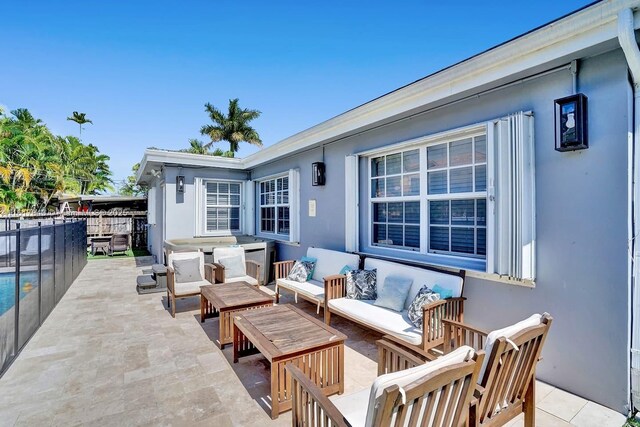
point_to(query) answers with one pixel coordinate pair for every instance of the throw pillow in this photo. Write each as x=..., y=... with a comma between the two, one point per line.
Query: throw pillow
x=361, y=284
x=444, y=293
x=345, y=269
x=414, y=312
x=314, y=261
x=300, y=271
x=394, y=292
x=233, y=267
x=187, y=270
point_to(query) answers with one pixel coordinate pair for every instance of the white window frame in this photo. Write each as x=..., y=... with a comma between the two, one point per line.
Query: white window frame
x=201, y=210
x=274, y=235
x=445, y=259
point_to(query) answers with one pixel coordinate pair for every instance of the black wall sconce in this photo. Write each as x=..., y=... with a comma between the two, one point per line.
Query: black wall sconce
x=571, y=123
x=180, y=184
x=318, y=173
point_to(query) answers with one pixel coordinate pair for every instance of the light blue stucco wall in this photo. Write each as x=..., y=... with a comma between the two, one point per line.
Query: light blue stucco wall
x=581, y=224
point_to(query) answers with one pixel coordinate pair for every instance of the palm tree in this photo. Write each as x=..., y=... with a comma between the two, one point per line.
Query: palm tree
x=233, y=127
x=197, y=147
x=80, y=119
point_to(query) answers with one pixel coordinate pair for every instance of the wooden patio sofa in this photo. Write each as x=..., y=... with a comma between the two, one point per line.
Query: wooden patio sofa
x=435, y=393
x=176, y=290
x=396, y=324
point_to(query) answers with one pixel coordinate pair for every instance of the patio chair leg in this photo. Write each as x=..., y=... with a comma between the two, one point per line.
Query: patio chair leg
x=173, y=306
x=530, y=404
x=168, y=300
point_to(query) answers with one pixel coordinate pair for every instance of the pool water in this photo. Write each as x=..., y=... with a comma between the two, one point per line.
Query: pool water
x=28, y=283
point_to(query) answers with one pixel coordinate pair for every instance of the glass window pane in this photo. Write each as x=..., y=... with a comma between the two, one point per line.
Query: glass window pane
x=437, y=156
x=223, y=199
x=481, y=149
x=395, y=212
x=212, y=199
x=439, y=238
x=394, y=187
x=212, y=187
x=481, y=239
x=234, y=188
x=411, y=185
x=460, y=152
x=437, y=182
x=235, y=200
x=379, y=212
x=462, y=240
x=234, y=224
x=462, y=212
x=412, y=212
x=412, y=236
x=379, y=233
x=481, y=178
x=223, y=223
x=285, y=197
x=263, y=200
x=377, y=166
x=393, y=164
x=411, y=161
x=377, y=187
x=262, y=187
x=439, y=212
x=235, y=213
x=461, y=180
x=223, y=187
x=481, y=216
x=271, y=198
x=395, y=235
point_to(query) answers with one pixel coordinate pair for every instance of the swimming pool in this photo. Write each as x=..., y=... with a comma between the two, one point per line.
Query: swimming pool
x=8, y=288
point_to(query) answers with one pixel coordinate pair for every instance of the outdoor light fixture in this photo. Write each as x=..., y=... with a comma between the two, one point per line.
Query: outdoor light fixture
x=180, y=184
x=571, y=123
x=317, y=171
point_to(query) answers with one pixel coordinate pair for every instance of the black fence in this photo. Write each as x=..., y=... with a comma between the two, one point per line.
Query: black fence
x=37, y=266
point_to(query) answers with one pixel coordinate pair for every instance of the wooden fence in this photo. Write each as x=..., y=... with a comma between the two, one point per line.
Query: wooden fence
x=98, y=223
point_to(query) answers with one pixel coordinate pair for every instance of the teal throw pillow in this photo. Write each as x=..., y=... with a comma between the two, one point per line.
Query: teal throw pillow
x=345, y=269
x=444, y=293
x=394, y=293
x=312, y=260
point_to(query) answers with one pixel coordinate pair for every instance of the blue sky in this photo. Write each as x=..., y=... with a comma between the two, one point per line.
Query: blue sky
x=143, y=70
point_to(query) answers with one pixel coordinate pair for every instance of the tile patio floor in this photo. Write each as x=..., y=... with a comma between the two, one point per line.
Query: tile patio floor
x=107, y=356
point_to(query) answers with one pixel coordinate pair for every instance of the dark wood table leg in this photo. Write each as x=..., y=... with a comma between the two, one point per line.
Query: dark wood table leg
x=203, y=303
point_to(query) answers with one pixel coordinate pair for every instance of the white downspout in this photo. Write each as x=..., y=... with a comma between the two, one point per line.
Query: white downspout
x=627, y=39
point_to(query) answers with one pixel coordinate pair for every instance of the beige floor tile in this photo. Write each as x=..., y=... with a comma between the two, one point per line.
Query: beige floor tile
x=562, y=404
x=594, y=415
x=542, y=390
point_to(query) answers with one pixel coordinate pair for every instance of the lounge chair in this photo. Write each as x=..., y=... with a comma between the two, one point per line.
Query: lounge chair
x=436, y=393
x=507, y=379
x=183, y=289
x=245, y=270
x=119, y=243
x=32, y=245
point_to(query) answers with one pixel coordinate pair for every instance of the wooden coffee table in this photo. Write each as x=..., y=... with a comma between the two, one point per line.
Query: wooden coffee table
x=284, y=334
x=227, y=299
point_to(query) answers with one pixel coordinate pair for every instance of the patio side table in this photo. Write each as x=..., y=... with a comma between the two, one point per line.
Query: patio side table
x=100, y=244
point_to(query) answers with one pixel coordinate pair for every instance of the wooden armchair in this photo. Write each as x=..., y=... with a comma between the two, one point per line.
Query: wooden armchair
x=119, y=243
x=250, y=273
x=436, y=393
x=507, y=378
x=176, y=289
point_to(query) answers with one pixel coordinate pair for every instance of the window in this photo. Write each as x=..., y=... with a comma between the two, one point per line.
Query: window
x=222, y=206
x=275, y=215
x=439, y=190
x=456, y=196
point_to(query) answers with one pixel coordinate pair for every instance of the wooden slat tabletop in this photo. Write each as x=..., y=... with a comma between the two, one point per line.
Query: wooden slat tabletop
x=284, y=330
x=235, y=294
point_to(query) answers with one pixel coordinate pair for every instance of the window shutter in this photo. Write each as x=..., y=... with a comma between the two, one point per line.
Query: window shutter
x=351, y=204
x=512, y=196
x=249, y=207
x=151, y=205
x=294, y=205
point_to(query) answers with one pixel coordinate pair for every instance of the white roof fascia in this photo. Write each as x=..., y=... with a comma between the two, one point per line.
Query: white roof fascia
x=581, y=30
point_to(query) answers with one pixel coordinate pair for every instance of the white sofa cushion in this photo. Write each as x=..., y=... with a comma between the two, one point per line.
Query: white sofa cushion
x=420, y=277
x=187, y=255
x=312, y=289
x=508, y=332
x=331, y=262
x=353, y=406
x=187, y=288
x=405, y=377
x=250, y=280
x=387, y=321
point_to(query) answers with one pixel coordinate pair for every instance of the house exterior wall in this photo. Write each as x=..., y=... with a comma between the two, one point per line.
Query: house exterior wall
x=581, y=224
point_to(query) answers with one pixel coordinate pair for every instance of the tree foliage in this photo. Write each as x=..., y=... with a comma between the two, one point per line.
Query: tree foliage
x=80, y=119
x=199, y=147
x=232, y=127
x=130, y=188
x=36, y=164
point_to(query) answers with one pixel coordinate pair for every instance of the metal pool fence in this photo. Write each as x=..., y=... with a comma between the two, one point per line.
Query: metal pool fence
x=37, y=266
